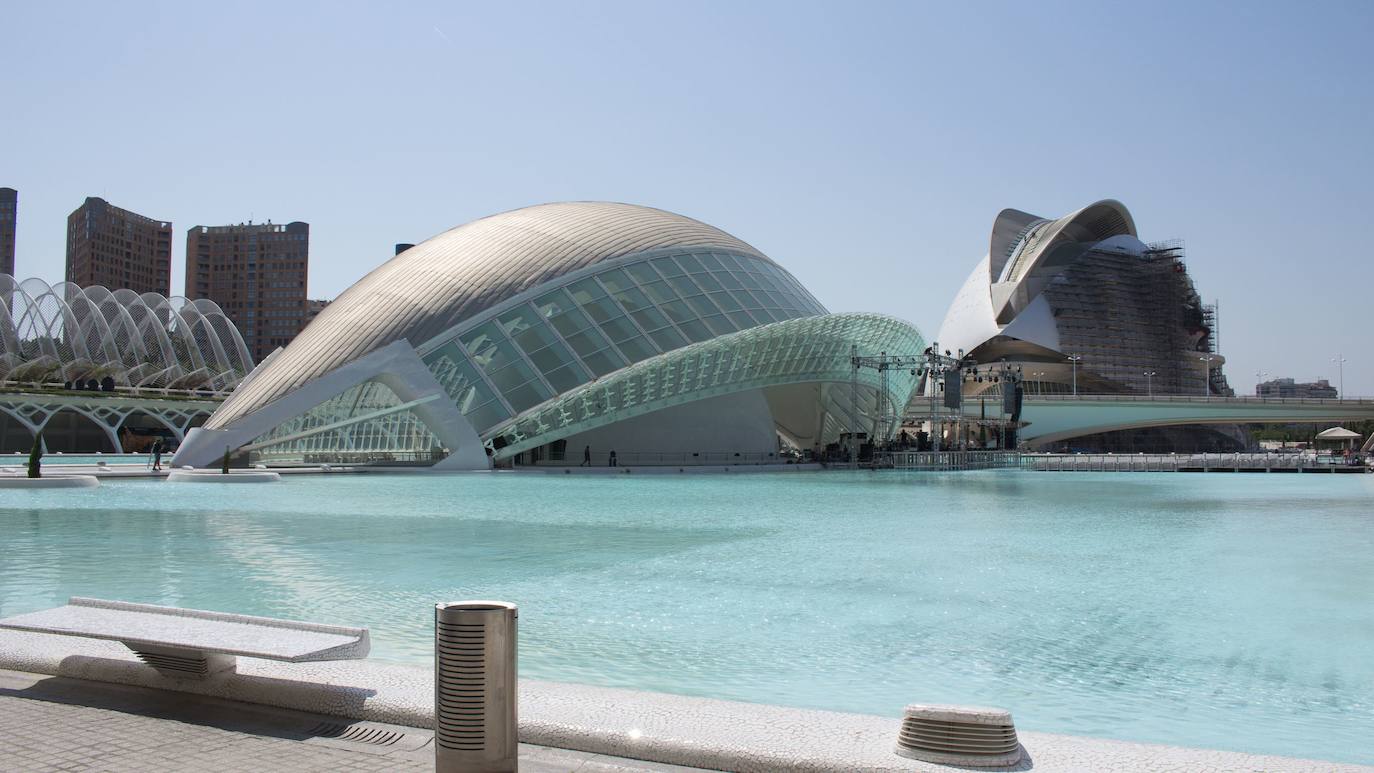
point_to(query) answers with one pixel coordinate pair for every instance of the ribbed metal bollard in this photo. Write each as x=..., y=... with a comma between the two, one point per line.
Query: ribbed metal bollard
x=475, y=694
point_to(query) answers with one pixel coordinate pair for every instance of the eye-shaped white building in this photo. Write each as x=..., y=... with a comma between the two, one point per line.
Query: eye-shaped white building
x=538, y=335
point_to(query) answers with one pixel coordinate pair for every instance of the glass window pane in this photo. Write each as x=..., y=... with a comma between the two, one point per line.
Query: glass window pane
x=587, y=342
x=742, y=319
x=660, y=292
x=551, y=357
x=642, y=272
x=485, y=416
x=632, y=299
x=746, y=299
x=728, y=280
x=614, y=280
x=711, y=262
x=603, y=362
x=667, y=339
x=678, y=311
x=684, y=286
x=764, y=315
x=725, y=301
x=527, y=395
x=695, y=330
x=667, y=266
x=650, y=319
x=735, y=261
x=553, y=303
x=719, y=324
x=566, y=378
x=690, y=264
x=585, y=291
x=637, y=349
x=707, y=282
x=750, y=280
x=619, y=329
x=570, y=322
x=511, y=376
x=702, y=306
x=602, y=309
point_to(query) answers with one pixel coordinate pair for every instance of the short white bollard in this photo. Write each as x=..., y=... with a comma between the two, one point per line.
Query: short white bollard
x=475, y=693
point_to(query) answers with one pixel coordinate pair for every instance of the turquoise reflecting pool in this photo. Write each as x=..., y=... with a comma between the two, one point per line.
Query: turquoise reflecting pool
x=1224, y=611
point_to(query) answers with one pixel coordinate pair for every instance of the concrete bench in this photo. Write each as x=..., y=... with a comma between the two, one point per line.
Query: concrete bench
x=193, y=643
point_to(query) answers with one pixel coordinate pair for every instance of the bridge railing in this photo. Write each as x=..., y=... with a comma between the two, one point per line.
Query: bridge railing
x=1246, y=399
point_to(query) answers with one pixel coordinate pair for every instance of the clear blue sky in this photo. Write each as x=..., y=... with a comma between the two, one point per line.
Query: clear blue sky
x=865, y=146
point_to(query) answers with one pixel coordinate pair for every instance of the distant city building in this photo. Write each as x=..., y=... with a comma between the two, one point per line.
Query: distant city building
x=9, y=213
x=257, y=273
x=1287, y=387
x=115, y=248
x=313, y=309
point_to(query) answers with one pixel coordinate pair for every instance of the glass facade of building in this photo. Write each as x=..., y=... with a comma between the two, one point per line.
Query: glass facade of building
x=590, y=326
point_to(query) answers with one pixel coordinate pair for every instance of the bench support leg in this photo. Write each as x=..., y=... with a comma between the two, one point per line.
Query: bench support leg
x=180, y=663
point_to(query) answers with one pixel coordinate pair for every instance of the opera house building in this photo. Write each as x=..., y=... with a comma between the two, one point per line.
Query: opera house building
x=554, y=333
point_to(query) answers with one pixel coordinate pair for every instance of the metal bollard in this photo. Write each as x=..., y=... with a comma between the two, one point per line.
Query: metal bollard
x=475, y=728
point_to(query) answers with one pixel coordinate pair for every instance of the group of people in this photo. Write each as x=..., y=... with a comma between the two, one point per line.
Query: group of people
x=587, y=458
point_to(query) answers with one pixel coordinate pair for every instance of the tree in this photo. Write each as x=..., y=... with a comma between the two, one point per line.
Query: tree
x=35, y=455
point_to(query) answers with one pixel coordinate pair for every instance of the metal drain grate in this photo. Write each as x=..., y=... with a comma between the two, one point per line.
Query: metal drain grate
x=958, y=735
x=373, y=736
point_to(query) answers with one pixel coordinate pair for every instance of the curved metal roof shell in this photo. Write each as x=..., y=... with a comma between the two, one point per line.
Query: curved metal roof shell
x=460, y=273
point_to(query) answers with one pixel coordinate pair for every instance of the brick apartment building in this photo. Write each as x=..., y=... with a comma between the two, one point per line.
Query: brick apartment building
x=116, y=248
x=257, y=273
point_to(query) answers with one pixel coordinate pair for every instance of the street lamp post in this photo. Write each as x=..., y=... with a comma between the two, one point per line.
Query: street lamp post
x=1340, y=365
x=1259, y=381
x=1039, y=376
x=1150, y=383
x=1074, y=358
x=1206, y=361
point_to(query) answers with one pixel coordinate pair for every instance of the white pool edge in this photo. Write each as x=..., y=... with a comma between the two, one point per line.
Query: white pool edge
x=657, y=727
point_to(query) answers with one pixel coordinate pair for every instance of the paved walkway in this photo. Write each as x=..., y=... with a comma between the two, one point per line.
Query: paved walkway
x=57, y=724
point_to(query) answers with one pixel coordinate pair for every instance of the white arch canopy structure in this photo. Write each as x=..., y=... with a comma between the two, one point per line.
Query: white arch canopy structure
x=66, y=333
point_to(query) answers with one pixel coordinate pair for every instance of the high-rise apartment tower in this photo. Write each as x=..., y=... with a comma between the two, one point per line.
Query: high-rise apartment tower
x=9, y=212
x=257, y=273
x=116, y=248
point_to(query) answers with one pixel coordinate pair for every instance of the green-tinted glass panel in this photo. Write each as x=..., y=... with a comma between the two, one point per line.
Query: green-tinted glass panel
x=642, y=272
x=746, y=300
x=553, y=304
x=702, y=306
x=566, y=378
x=484, y=416
x=585, y=291
x=684, y=286
x=667, y=339
x=707, y=282
x=719, y=324
x=711, y=262
x=551, y=357
x=637, y=349
x=660, y=292
x=604, y=362
x=632, y=299
x=619, y=329
x=602, y=309
x=750, y=281
x=615, y=280
x=667, y=266
x=695, y=330
x=527, y=395
x=728, y=280
x=690, y=264
x=511, y=376
x=678, y=311
x=650, y=318
x=587, y=341
x=725, y=301
x=570, y=322
x=741, y=319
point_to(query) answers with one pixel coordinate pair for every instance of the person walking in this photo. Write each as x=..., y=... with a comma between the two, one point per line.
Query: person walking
x=613, y=460
x=157, y=455
x=587, y=456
